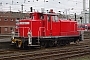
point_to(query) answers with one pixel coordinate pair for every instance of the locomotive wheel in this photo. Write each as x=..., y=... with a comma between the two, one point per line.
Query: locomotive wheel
x=61, y=43
x=68, y=43
x=58, y=43
x=43, y=44
x=51, y=44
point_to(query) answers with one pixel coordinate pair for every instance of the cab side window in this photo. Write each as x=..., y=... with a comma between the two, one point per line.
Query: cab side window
x=41, y=17
x=31, y=17
x=48, y=18
x=55, y=18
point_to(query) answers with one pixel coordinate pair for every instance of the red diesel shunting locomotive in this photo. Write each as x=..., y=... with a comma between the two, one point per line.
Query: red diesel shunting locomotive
x=45, y=30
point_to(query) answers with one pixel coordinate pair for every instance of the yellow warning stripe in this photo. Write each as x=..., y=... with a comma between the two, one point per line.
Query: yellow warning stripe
x=19, y=41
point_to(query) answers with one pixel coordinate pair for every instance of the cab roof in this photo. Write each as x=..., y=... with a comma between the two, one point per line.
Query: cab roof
x=52, y=14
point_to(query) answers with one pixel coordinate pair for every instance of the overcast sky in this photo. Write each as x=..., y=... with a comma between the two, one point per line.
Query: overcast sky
x=72, y=6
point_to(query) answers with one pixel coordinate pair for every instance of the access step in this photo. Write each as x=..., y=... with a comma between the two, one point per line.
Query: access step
x=34, y=45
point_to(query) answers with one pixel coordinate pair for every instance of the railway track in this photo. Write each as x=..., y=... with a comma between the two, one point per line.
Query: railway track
x=53, y=54
x=8, y=51
x=46, y=54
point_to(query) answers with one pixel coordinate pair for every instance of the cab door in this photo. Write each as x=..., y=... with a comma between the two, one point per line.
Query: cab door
x=49, y=25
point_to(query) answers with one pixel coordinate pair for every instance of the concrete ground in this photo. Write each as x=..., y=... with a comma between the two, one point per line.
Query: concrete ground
x=5, y=39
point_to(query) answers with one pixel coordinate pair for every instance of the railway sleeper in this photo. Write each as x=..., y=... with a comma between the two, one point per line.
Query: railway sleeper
x=53, y=55
x=73, y=55
x=60, y=54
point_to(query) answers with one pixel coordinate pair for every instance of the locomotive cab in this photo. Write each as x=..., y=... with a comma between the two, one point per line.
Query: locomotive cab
x=28, y=29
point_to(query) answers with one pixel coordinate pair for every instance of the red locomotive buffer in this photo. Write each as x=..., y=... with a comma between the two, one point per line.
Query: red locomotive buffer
x=45, y=30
